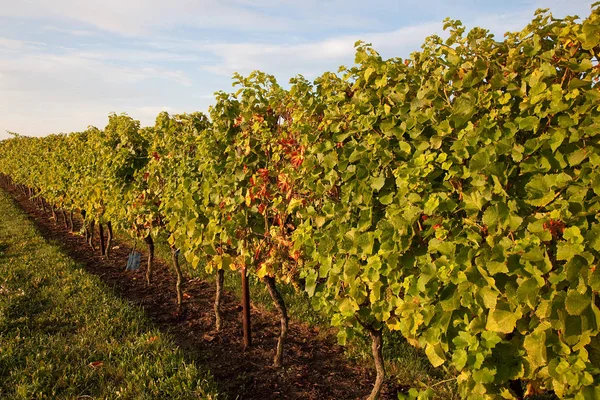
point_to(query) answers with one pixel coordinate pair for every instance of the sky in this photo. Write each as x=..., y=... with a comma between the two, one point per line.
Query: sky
x=66, y=64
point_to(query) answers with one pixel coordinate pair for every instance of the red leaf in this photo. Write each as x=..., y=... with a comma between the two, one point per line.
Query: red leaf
x=96, y=364
x=264, y=173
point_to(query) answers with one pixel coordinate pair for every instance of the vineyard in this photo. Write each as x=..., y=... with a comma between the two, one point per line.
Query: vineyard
x=453, y=197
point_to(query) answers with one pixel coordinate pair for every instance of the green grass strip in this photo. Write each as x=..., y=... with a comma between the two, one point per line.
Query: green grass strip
x=63, y=334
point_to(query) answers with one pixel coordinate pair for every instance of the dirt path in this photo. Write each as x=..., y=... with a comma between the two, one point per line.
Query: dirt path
x=315, y=368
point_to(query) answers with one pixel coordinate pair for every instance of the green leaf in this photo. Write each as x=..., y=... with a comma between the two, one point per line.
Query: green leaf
x=365, y=220
x=529, y=123
x=566, y=251
x=464, y=108
x=573, y=235
x=435, y=354
x=491, y=339
x=502, y=319
x=431, y=205
x=378, y=182
x=444, y=128
x=591, y=31
x=365, y=243
x=368, y=72
x=386, y=199
x=595, y=280
x=320, y=221
x=535, y=345
x=527, y=292
x=495, y=267
x=593, y=237
x=491, y=217
x=575, y=158
x=540, y=189
x=348, y=307
x=489, y=297
x=311, y=284
x=484, y=375
x=330, y=160
x=459, y=359
x=351, y=269
x=576, y=303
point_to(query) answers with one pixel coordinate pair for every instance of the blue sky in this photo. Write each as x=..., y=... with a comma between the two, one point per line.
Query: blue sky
x=65, y=64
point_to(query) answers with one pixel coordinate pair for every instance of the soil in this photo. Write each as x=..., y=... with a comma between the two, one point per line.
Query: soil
x=314, y=365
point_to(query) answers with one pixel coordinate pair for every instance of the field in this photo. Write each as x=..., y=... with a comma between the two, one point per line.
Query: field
x=411, y=228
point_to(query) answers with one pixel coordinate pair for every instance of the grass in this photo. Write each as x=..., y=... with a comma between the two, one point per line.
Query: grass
x=63, y=334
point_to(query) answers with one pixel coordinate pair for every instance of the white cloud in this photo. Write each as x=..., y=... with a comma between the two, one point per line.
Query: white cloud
x=136, y=56
x=139, y=17
x=43, y=93
x=312, y=58
x=73, y=32
x=59, y=73
x=13, y=44
x=143, y=17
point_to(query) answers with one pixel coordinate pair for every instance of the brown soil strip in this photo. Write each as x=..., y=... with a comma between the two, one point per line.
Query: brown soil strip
x=314, y=368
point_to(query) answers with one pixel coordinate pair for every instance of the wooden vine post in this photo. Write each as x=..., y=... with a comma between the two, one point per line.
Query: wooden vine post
x=101, y=233
x=108, y=239
x=149, y=270
x=246, y=309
